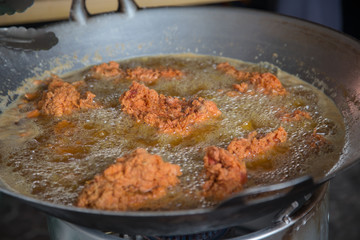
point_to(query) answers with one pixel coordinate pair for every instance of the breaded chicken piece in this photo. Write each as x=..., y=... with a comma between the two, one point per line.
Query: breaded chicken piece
x=126, y=185
x=266, y=83
x=62, y=98
x=168, y=114
x=251, y=146
x=225, y=173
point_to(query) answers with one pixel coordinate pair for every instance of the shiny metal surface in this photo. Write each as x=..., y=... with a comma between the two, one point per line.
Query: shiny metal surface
x=310, y=222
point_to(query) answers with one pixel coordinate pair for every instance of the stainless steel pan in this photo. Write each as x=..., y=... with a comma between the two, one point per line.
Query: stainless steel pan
x=321, y=56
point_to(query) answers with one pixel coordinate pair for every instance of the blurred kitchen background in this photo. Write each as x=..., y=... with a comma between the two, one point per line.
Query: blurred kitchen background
x=19, y=221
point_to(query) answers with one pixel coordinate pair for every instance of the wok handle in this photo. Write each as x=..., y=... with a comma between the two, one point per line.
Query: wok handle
x=79, y=13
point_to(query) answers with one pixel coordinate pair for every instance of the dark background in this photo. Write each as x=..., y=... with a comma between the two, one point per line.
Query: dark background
x=20, y=221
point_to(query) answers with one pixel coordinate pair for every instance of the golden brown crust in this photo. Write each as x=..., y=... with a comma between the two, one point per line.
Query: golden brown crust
x=146, y=75
x=110, y=69
x=225, y=173
x=297, y=115
x=171, y=73
x=266, y=83
x=242, y=87
x=251, y=146
x=62, y=98
x=232, y=71
x=143, y=74
x=126, y=185
x=168, y=114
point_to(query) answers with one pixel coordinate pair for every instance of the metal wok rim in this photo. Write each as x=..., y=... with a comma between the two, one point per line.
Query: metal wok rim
x=32, y=200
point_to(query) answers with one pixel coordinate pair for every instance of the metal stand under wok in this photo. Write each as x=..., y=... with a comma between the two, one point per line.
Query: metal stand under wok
x=310, y=221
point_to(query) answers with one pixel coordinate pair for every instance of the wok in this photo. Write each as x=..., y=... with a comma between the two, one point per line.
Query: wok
x=326, y=58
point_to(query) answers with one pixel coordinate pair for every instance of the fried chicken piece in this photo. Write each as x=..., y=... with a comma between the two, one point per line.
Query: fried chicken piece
x=225, y=173
x=171, y=73
x=168, y=114
x=242, y=87
x=232, y=71
x=111, y=69
x=62, y=98
x=126, y=185
x=266, y=83
x=142, y=74
x=251, y=146
x=148, y=75
x=297, y=115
